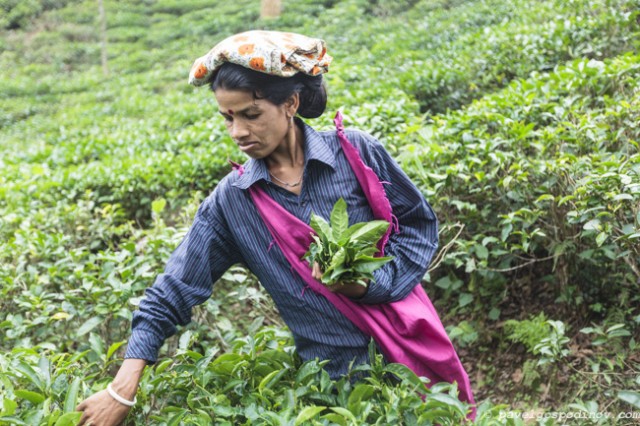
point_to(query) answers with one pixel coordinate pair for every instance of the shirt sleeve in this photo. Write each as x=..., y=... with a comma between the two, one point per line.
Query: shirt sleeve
x=204, y=254
x=416, y=241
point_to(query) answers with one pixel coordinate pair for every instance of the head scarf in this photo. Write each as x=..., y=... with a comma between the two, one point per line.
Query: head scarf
x=271, y=52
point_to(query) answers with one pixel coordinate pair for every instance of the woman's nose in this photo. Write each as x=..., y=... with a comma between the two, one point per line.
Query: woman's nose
x=238, y=130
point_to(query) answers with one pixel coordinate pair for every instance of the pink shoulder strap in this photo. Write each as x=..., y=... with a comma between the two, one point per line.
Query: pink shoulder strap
x=369, y=182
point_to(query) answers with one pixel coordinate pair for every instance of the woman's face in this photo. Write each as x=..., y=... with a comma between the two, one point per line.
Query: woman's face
x=256, y=125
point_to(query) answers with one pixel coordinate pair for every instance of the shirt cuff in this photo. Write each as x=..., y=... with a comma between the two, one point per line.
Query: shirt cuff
x=143, y=345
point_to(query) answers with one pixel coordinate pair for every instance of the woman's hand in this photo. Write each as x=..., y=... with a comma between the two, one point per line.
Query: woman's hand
x=349, y=289
x=100, y=409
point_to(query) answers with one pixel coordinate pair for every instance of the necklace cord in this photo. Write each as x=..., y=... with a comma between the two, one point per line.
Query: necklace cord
x=287, y=184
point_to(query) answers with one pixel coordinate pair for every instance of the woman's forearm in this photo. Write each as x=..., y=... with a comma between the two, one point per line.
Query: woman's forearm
x=128, y=377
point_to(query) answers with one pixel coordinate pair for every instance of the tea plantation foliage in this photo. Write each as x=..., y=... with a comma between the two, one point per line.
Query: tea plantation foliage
x=517, y=119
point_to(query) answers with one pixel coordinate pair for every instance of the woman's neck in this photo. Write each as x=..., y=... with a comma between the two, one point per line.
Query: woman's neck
x=290, y=154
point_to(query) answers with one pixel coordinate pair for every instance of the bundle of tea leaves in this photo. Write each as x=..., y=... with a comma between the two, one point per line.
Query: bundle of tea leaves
x=346, y=253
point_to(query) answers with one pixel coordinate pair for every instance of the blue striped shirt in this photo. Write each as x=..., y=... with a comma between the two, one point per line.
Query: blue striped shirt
x=228, y=230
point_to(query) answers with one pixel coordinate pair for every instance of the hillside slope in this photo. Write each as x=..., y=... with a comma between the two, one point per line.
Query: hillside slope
x=517, y=119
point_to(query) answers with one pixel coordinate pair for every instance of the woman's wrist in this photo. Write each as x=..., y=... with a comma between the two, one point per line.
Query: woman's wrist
x=127, y=380
x=124, y=401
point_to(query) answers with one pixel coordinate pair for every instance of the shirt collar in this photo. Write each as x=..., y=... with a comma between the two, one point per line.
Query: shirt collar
x=315, y=148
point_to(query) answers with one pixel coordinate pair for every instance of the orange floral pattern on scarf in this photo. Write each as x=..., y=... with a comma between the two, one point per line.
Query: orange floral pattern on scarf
x=272, y=52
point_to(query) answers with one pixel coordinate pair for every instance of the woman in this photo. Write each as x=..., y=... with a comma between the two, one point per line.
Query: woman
x=257, y=216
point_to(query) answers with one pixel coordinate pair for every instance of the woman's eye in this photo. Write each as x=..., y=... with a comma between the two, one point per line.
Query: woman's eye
x=252, y=116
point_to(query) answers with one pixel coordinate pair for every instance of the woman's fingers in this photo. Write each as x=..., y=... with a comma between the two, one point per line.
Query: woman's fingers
x=349, y=289
x=83, y=419
x=316, y=271
x=101, y=409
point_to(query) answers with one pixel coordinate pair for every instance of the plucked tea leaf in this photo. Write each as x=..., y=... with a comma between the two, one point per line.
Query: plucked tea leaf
x=367, y=264
x=337, y=260
x=339, y=219
x=346, y=235
x=321, y=226
x=371, y=232
x=346, y=254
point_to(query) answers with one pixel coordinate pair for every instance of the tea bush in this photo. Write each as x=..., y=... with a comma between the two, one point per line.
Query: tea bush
x=557, y=158
x=518, y=121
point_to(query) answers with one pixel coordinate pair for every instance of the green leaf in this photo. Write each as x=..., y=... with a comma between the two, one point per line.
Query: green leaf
x=444, y=400
x=464, y=299
x=31, y=374
x=69, y=419
x=615, y=327
x=621, y=197
x=592, y=225
x=344, y=413
x=271, y=379
x=371, y=232
x=185, y=340
x=308, y=413
x=45, y=370
x=114, y=347
x=506, y=231
x=346, y=235
x=88, y=326
x=9, y=407
x=361, y=392
x=321, y=227
x=12, y=421
x=404, y=373
x=338, y=274
x=307, y=369
x=365, y=252
x=163, y=365
x=337, y=260
x=544, y=197
x=158, y=205
x=444, y=283
x=335, y=419
x=33, y=397
x=367, y=264
x=339, y=219
x=481, y=251
x=72, y=396
x=630, y=397
x=175, y=420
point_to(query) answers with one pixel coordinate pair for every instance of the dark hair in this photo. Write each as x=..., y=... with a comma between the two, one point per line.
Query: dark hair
x=275, y=89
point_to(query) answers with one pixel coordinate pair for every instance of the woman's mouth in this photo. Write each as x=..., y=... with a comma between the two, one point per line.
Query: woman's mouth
x=247, y=146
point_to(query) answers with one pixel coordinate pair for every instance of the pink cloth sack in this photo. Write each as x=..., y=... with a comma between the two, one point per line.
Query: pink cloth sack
x=408, y=331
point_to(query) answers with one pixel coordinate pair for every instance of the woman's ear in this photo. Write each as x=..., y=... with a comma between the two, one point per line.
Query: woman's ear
x=292, y=104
